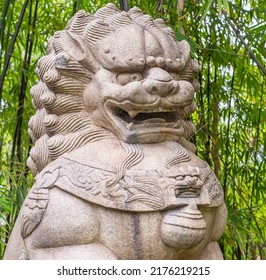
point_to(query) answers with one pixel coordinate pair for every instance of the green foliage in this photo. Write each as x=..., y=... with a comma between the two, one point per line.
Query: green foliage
x=226, y=37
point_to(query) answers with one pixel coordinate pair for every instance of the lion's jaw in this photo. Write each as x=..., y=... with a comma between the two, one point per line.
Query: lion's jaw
x=138, y=107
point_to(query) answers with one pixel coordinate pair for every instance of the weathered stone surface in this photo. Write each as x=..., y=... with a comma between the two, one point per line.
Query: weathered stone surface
x=116, y=176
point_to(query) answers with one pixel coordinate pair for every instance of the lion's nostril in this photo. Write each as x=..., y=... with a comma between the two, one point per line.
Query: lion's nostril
x=152, y=86
x=154, y=89
x=160, y=88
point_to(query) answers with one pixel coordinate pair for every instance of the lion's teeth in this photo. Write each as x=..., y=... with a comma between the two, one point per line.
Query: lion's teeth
x=132, y=114
x=156, y=110
x=130, y=126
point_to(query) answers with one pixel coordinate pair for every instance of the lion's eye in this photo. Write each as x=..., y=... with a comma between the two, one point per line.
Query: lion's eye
x=175, y=76
x=125, y=78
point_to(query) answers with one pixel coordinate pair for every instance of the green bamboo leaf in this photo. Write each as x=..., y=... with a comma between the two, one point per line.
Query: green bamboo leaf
x=260, y=27
x=219, y=6
x=205, y=8
x=226, y=6
x=79, y=4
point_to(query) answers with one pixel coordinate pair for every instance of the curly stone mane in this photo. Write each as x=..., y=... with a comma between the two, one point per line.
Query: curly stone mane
x=61, y=123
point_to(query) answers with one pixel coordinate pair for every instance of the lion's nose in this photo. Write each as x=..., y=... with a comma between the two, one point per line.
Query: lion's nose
x=159, y=74
x=159, y=82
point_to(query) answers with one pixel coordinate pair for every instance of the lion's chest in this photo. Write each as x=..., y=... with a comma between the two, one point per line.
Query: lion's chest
x=71, y=221
x=122, y=204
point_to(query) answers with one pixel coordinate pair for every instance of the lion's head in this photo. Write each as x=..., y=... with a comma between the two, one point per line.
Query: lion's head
x=111, y=73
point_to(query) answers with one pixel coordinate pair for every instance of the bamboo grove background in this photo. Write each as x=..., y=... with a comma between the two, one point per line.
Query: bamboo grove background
x=226, y=37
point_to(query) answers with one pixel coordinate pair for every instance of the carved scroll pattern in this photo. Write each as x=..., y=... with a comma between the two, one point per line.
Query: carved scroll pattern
x=137, y=190
x=180, y=155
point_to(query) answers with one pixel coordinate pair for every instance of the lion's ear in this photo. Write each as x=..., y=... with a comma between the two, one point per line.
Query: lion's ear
x=74, y=47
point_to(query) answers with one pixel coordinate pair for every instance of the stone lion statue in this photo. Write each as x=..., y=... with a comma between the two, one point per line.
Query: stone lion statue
x=116, y=175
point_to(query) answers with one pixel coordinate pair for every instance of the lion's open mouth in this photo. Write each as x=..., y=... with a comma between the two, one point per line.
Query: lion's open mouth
x=144, y=123
x=159, y=117
x=187, y=193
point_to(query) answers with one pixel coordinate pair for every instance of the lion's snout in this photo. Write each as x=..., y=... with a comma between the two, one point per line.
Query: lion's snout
x=160, y=88
x=160, y=82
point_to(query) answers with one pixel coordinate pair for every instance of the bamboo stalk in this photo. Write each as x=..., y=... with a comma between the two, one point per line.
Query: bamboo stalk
x=2, y=28
x=257, y=139
x=124, y=5
x=227, y=143
x=159, y=6
x=17, y=139
x=11, y=47
x=208, y=141
x=214, y=127
x=180, y=7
